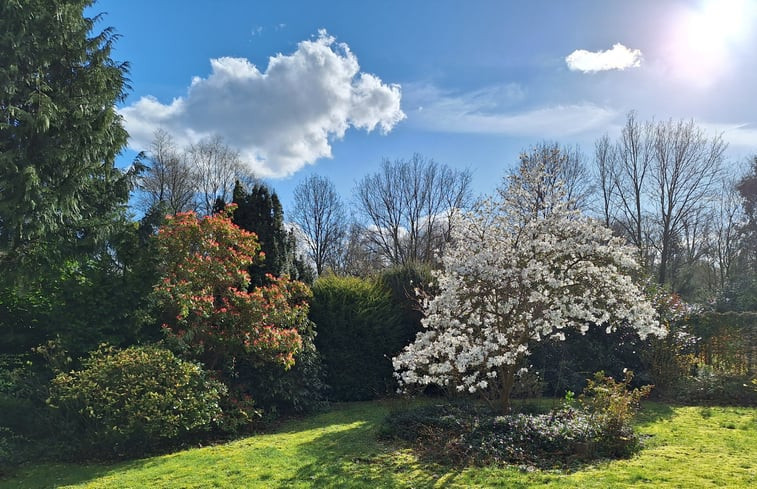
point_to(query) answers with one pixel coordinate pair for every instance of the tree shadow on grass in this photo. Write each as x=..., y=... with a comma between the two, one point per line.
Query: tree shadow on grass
x=34, y=475
x=353, y=458
x=652, y=412
x=337, y=413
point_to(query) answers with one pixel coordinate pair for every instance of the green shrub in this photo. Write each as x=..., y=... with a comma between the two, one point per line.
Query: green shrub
x=670, y=359
x=358, y=334
x=11, y=445
x=136, y=400
x=611, y=404
x=403, y=283
x=711, y=386
x=277, y=390
x=239, y=413
x=23, y=391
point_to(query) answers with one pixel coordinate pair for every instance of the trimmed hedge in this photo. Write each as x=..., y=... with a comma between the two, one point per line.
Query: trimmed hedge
x=358, y=333
x=402, y=283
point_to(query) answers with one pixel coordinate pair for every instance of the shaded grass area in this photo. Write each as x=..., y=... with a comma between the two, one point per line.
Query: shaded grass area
x=687, y=447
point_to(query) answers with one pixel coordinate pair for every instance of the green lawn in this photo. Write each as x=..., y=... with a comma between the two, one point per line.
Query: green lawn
x=689, y=447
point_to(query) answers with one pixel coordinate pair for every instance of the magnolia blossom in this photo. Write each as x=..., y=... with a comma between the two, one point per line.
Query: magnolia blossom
x=521, y=268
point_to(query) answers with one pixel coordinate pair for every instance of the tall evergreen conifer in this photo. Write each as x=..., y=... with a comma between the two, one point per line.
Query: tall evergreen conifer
x=259, y=210
x=59, y=130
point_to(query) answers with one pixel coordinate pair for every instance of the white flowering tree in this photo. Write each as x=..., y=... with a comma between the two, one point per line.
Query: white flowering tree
x=521, y=268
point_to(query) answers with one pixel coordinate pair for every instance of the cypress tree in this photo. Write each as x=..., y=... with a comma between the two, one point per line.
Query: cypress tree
x=260, y=212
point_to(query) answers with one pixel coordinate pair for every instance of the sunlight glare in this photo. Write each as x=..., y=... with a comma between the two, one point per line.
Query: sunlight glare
x=704, y=37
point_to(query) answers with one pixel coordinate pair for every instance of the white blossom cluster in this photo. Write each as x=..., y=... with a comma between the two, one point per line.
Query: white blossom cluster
x=521, y=268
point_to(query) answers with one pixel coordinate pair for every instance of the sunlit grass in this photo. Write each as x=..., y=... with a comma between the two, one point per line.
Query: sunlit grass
x=687, y=447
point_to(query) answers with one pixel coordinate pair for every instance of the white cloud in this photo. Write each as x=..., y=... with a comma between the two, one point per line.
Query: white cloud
x=281, y=119
x=617, y=58
x=739, y=136
x=496, y=110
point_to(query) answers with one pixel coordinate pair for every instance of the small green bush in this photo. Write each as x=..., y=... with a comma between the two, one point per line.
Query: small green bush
x=611, y=406
x=30, y=430
x=136, y=400
x=11, y=444
x=239, y=413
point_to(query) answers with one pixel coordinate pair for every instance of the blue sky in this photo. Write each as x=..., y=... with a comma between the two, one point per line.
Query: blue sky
x=334, y=87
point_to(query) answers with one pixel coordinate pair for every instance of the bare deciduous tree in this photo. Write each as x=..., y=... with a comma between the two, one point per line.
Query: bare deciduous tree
x=605, y=161
x=634, y=158
x=216, y=168
x=407, y=206
x=360, y=257
x=561, y=164
x=168, y=180
x=319, y=213
x=686, y=167
x=727, y=219
x=693, y=246
x=747, y=188
x=663, y=199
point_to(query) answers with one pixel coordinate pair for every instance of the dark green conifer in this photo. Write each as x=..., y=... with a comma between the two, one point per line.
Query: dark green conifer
x=59, y=129
x=259, y=211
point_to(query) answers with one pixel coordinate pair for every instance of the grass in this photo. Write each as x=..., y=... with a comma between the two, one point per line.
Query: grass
x=687, y=447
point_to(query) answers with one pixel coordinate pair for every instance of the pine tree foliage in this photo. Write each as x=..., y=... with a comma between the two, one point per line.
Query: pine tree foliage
x=59, y=130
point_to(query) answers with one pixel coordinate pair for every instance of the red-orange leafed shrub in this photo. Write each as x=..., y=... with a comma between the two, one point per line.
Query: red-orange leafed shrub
x=208, y=312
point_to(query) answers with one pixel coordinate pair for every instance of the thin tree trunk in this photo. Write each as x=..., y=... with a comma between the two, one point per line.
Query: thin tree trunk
x=507, y=376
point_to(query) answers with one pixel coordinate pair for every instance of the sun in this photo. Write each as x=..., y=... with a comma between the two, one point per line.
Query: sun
x=703, y=38
x=715, y=25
